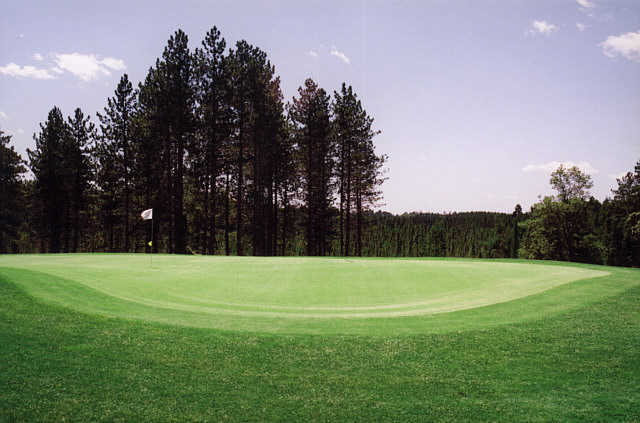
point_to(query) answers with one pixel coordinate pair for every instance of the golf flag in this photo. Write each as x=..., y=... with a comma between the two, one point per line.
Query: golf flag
x=147, y=214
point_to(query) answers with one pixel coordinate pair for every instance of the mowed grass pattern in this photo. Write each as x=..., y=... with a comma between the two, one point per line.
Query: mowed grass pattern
x=577, y=360
x=303, y=295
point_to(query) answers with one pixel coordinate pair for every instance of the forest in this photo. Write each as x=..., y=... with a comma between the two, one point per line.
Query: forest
x=208, y=143
x=570, y=226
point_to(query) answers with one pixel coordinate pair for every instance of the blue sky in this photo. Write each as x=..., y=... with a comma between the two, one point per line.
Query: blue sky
x=477, y=100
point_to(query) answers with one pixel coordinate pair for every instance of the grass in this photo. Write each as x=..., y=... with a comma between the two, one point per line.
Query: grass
x=312, y=295
x=568, y=353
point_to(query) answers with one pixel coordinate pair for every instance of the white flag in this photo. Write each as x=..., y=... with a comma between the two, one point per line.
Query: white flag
x=147, y=214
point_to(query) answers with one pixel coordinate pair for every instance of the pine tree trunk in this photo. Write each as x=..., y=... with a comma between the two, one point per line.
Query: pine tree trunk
x=180, y=227
x=310, y=200
x=359, y=222
x=155, y=226
x=76, y=229
x=239, y=200
x=269, y=220
x=126, y=201
x=211, y=244
x=342, y=207
x=111, y=233
x=148, y=231
x=321, y=209
x=126, y=218
x=203, y=226
x=348, y=206
x=256, y=236
x=67, y=227
x=274, y=247
x=76, y=211
x=227, y=226
x=170, y=195
x=285, y=222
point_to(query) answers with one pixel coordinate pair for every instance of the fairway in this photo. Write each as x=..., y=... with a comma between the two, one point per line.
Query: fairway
x=106, y=337
x=308, y=295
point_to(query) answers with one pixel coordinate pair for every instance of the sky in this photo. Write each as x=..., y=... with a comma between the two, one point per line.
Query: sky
x=478, y=100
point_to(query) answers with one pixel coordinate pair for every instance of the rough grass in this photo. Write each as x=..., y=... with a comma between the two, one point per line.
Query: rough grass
x=579, y=364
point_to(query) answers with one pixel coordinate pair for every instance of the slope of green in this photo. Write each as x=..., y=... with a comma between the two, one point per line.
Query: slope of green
x=579, y=363
x=312, y=295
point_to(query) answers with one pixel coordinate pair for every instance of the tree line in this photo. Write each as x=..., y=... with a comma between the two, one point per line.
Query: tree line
x=569, y=226
x=228, y=167
x=467, y=234
x=574, y=226
x=207, y=141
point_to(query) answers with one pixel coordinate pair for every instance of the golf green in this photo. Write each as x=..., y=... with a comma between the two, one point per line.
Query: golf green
x=311, y=295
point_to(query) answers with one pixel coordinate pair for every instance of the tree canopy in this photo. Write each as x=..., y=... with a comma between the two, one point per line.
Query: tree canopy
x=571, y=183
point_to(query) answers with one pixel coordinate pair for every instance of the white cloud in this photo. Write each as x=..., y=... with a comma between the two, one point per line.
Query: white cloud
x=340, y=55
x=25, y=72
x=84, y=66
x=626, y=45
x=551, y=166
x=115, y=64
x=87, y=66
x=581, y=27
x=542, y=27
x=3, y=115
x=312, y=53
x=587, y=4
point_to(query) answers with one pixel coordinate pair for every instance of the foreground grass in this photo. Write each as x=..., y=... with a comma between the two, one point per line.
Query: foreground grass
x=61, y=365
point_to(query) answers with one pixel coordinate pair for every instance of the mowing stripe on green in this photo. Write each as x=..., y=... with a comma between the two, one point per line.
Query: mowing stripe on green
x=312, y=295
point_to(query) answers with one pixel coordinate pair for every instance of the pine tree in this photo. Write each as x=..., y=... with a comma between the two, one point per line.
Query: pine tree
x=515, y=243
x=275, y=155
x=150, y=173
x=257, y=109
x=367, y=175
x=12, y=205
x=214, y=126
x=359, y=168
x=109, y=183
x=179, y=95
x=315, y=155
x=81, y=135
x=48, y=164
x=240, y=63
x=116, y=129
x=287, y=185
x=344, y=110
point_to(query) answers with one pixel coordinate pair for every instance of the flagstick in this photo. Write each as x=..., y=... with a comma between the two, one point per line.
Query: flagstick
x=151, y=256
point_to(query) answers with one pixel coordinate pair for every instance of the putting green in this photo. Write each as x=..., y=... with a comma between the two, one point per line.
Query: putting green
x=310, y=295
